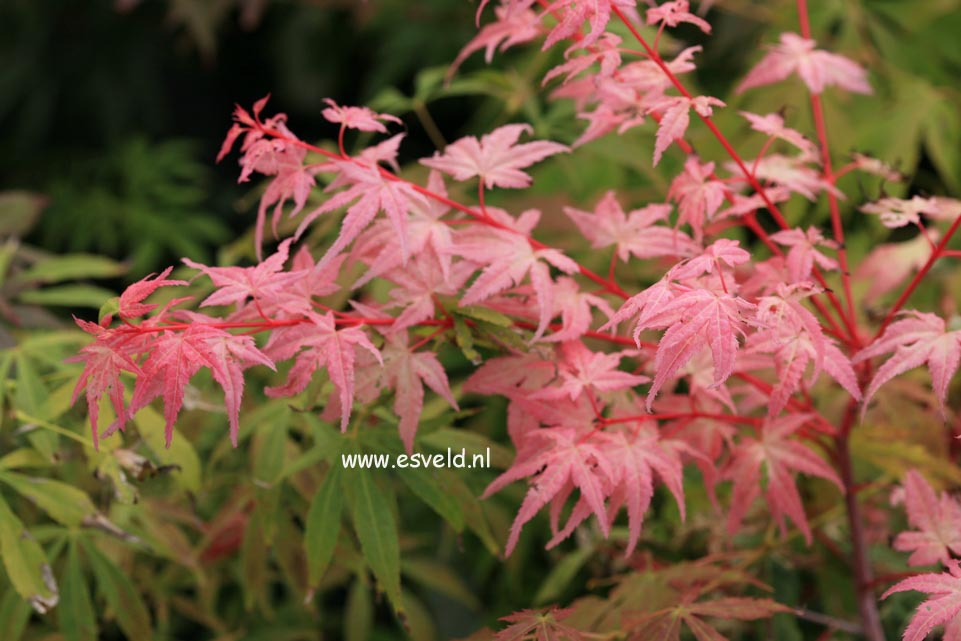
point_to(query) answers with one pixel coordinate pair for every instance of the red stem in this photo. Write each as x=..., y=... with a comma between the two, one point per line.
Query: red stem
x=345, y=319
x=861, y=563
x=672, y=416
x=935, y=255
x=828, y=174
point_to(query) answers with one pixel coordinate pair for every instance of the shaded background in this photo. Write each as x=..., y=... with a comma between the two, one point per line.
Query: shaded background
x=115, y=110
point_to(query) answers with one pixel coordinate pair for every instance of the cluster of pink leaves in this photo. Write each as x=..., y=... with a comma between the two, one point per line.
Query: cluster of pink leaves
x=935, y=539
x=724, y=323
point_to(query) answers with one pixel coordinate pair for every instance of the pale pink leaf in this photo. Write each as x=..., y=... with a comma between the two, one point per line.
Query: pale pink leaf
x=496, y=158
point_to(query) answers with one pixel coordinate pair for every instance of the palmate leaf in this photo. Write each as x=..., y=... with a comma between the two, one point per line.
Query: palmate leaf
x=368, y=193
x=781, y=456
x=25, y=562
x=635, y=233
x=566, y=463
x=176, y=356
x=407, y=373
x=666, y=624
x=818, y=69
x=496, y=158
x=937, y=520
x=120, y=593
x=943, y=606
x=539, y=625
x=319, y=344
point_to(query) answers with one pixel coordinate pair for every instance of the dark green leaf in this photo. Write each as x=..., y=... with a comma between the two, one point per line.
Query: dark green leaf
x=323, y=525
x=427, y=486
x=121, y=594
x=373, y=518
x=439, y=577
x=14, y=614
x=561, y=575
x=358, y=613
x=25, y=562
x=75, y=613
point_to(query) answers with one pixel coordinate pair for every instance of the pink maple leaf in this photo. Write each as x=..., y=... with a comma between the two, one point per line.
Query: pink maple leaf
x=539, y=625
x=938, y=523
x=604, y=53
x=318, y=344
x=110, y=354
x=781, y=457
x=281, y=157
x=174, y=358
x=511, y=28
x=695, y=316
x=383, y=152
x=773, y=126
x=368, y=192
x=131, y=300
x=870, y=165
x=943, y=606
x=237, y=284
x=496, y=158
x=675, y=118
x=636, y=455
x=704, y=318
x=791, y=172
x=561, y=464
x=742, y=205
x=574, y=307
x=889, y=264
x=291, y=180
x=697, y=194
x=245, y=123
x=898, y=212
x=227, y=357
x=793, y=335
x=574, y=13
x=380, y=245
x=291, y=294
x=361, y=118
x=508, y=257
x=671, y=14
x=581, y=369
x=804, y=253
x=407, y=372
x=635, y=233
x=722, y=252
x=419, y=284
x=916, y=340
x=817, y=68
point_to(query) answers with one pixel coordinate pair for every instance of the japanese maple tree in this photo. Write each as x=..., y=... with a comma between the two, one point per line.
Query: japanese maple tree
x=726, y=336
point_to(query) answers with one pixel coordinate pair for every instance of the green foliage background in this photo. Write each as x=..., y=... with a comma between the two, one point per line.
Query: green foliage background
x=111, y=115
